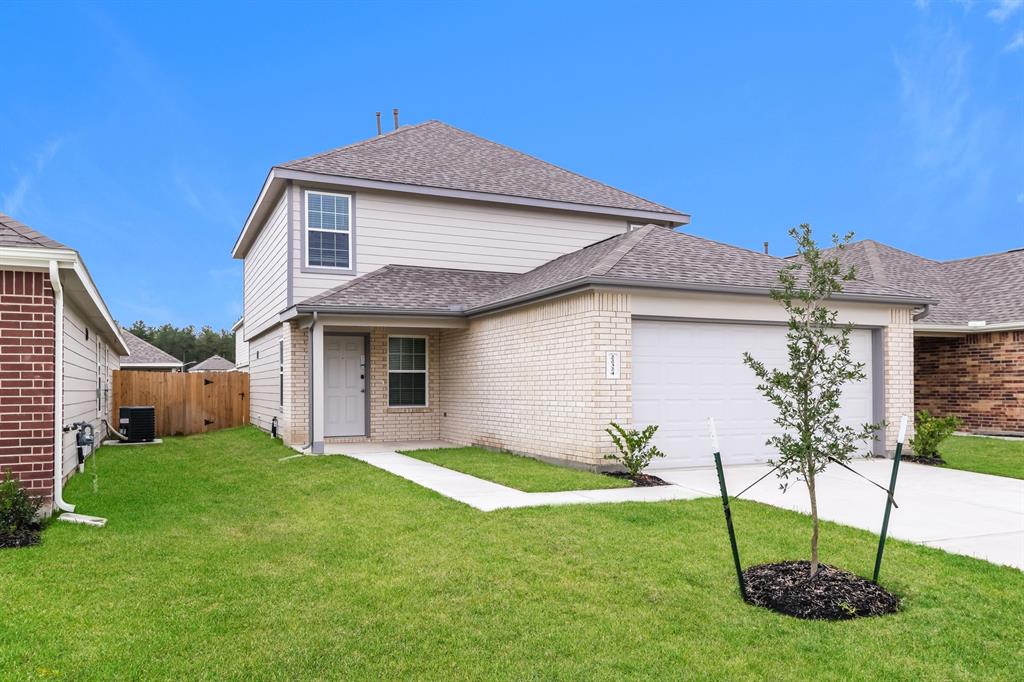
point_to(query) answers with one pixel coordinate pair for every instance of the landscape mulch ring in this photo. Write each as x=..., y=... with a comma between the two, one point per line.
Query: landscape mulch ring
x=641, y=481
x=832, y=594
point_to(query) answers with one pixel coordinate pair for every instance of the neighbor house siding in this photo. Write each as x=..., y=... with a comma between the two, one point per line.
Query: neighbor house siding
x=241, y=350
x=393, y=228
x=266, y=273
x=532, y=379
x=88, y=374
x=979, y=378
x=264, y=387
x=26, y=389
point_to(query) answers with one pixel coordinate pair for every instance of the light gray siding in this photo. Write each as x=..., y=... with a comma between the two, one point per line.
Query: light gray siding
x=88, y=371
x=264, y=378
x=393, y=228
x=266, y=272
x=241, y=350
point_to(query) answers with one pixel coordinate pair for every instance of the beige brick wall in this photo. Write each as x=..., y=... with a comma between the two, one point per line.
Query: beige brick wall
x=898, y=340
x=404, y=423
x=295, y=418
x=532, y=379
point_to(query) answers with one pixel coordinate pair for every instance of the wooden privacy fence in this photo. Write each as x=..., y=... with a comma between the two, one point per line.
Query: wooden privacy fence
x=185, y=402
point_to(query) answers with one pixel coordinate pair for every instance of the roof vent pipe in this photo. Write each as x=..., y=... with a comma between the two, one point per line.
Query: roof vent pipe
x=378, y=123
x=766, y=248
x=395, y=112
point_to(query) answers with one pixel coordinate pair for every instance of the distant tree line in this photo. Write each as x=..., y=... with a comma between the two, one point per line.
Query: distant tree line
x=185, y=343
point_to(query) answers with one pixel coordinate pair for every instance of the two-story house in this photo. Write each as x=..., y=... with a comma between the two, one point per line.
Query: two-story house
x=431, y=284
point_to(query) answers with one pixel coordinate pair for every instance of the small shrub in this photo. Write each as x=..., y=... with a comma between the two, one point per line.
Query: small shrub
x=19, y=515
x=930, y=431
x=635, y=448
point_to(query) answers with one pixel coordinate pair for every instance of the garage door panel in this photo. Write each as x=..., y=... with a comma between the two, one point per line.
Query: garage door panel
x=685, y=372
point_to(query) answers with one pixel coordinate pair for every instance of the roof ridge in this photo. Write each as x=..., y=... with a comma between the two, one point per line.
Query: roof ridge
x=628, y=242
x=561, y=168
x=359, y=143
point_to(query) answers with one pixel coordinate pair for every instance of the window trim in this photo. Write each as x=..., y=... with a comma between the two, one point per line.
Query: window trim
x=306, y=267
x=425, y=371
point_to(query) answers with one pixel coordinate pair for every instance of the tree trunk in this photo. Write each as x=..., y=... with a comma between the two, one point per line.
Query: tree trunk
x=814, y=520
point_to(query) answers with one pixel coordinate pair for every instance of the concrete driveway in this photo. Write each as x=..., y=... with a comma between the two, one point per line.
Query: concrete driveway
x=958, y=511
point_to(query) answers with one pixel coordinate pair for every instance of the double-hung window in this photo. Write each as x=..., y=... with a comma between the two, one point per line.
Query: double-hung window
x=328, y=230
x=407, y=371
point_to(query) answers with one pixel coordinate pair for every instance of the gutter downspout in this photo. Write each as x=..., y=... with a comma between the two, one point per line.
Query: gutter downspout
x=58, y=390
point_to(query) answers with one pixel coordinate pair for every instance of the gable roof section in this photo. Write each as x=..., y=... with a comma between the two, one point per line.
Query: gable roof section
x=984, y=288
x=435, y=154
x=434, y=158
x=650, y=257
x=143, y=353
x=14, y=233
x=23, y=248
x=214, y=363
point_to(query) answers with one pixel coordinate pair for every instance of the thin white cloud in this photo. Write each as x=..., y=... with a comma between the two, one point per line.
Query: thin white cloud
x=1017, y=43
x=922, y=4
x=1004, y=9
x=954, y=138
x=14, y=200
x=1020, y=197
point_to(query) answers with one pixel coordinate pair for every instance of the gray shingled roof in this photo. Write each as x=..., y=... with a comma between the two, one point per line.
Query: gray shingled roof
x=14, y=233
x=144, y=353
x=649, y=256
x=214, y=363
x=414, y=288
x=985, y=288
x=435, y=154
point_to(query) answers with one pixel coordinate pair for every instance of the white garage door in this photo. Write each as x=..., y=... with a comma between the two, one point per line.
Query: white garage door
x=685, y=372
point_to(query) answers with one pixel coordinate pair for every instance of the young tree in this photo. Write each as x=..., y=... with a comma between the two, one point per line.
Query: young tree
x=807, y=394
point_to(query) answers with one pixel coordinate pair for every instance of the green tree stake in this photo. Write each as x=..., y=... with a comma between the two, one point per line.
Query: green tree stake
x=892, y=491
x=725, y=507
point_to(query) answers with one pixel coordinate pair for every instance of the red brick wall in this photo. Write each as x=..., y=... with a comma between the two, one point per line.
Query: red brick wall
x=979, y=378
x=26, y=379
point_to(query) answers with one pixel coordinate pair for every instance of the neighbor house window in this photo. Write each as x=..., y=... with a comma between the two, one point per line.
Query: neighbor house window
x=407, y=371
x=328, y=230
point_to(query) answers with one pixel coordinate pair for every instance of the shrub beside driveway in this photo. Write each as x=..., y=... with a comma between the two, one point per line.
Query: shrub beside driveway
x=222, y=562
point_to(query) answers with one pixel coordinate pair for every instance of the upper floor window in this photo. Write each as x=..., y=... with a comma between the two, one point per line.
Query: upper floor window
x=328, y=230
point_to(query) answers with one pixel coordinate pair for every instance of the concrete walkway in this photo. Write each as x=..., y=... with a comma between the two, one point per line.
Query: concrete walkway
x=961, y=512
x=958, y=511
x=485, y=495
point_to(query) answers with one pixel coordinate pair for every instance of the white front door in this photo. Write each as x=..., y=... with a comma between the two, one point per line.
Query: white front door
x=685, y=372
x=344, y=386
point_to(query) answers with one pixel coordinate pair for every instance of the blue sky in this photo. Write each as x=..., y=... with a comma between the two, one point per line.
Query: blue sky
x=140, y=133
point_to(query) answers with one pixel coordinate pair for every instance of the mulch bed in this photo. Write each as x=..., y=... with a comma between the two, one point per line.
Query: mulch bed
x=935, y=461
x=641, y=481
x=25, y=537
x=833, y=594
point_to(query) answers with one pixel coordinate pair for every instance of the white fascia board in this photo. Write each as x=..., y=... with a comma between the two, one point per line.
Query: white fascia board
x=968, y=329
x=151, y=365
x=68, y=260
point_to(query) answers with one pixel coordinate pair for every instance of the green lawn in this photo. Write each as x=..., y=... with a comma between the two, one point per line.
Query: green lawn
x=522, y=473
x=222, y=562
x=984, y=455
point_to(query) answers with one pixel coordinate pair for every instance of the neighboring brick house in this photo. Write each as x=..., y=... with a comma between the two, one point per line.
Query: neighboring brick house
x=44, y=386
x=145, y=357
x=430, y=284
x=969, y=345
